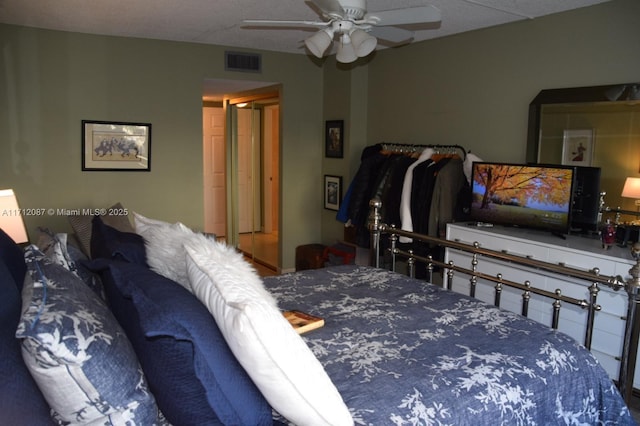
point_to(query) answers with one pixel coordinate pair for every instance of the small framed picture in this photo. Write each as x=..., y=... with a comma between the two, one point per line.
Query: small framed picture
x=577, y=147
x=332, y=192
x=334, y=139
x=116, y=146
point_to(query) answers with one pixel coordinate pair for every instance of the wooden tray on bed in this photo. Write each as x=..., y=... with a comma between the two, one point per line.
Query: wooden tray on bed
x=303, y=322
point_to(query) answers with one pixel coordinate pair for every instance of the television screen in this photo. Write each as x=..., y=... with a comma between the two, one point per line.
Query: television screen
x=530, y=196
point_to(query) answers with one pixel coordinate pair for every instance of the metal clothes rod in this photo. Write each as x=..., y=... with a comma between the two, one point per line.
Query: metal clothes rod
x=413, y=148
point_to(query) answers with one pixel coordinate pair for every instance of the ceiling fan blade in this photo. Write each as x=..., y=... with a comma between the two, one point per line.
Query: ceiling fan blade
x=410, y=15
x=270, y=23
x=329, y=7
x=392, y=34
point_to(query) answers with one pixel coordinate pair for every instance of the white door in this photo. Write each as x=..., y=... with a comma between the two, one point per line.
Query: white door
x=214, y=176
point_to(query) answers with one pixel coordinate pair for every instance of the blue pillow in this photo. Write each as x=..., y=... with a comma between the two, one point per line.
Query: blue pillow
x=167, y=363
x=109, y=243
x=195, y=354
x=11, y=255
x=57, y=248
x=77, y=352
x=21, y=402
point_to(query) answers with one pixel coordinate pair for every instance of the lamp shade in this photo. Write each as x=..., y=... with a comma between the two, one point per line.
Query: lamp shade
x=614, y=93
x=10, y=217
x=346, y=52
x=363, y=42
x=319, y=42
x=631, y=188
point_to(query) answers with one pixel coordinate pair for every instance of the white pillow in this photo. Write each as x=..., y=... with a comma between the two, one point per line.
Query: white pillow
x=276, y=358
x=141, y=223
x=164, y=245
x=230, y=262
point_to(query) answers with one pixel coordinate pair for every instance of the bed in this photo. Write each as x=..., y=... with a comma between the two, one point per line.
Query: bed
x=405, y=352
x=215, y=348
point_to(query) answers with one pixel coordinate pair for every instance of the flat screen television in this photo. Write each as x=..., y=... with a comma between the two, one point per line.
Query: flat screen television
x=527, y=196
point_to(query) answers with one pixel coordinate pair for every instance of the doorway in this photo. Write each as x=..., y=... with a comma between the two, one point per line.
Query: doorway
x=241, y=164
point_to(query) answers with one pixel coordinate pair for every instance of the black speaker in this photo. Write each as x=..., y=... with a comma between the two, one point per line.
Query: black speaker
x=586, y=199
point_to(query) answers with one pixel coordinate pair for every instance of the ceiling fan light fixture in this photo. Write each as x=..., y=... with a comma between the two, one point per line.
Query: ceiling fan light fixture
x=319, y=42
x=634, y=92
x=363, y=42
x=614, y=93
x=346, y=52
x=357, y=29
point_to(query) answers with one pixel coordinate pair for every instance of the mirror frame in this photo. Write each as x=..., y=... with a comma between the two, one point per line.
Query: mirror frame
x=560, y=96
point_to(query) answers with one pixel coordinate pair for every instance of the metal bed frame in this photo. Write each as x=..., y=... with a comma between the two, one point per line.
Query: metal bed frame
x=592, y=277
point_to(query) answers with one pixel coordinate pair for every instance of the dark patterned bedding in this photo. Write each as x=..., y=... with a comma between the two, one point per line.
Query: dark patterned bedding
x=404, y=352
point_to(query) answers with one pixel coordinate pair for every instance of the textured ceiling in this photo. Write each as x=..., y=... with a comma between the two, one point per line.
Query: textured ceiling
x=220, y=22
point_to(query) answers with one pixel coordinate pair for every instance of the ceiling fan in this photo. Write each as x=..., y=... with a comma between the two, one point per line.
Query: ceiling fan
x=615, y=93
x=355, y=28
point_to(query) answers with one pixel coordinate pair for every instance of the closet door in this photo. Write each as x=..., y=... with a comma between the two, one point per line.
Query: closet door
x=214, y=174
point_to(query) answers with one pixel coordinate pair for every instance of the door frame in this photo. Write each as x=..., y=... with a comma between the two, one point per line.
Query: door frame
x=265, y=94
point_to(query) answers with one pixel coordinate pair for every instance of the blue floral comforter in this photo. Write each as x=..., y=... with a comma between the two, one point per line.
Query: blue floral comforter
x=405, y=352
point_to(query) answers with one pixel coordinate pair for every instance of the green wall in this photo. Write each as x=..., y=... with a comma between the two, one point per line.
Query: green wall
x=50, y=81
x=471, y=89
x=474, y=89
x=346, y=98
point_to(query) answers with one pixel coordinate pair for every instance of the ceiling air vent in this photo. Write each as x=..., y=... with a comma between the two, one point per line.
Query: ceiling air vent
x=239, y=61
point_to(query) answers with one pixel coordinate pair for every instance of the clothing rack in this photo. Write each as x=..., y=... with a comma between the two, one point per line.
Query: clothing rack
x=388, y=170
x=416, y=149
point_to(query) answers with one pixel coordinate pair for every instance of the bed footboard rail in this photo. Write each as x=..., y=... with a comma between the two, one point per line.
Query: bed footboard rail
x=593, y=277
x=500, y=282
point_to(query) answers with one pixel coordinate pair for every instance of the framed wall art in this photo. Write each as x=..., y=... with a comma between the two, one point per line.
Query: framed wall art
x=332, y=192
x=577, y=147
x=116, y=146
x=334, y=139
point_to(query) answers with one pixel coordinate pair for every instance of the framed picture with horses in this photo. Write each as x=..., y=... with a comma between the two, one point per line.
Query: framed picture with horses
x=116, y=146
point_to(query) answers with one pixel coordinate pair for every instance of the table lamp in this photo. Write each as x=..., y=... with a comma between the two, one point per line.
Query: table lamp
x=11, y=217
x=631, y=189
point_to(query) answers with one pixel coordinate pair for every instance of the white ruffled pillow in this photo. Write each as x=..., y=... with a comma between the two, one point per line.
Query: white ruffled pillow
x=276, y=358
x=164, y=246
x=142, y=223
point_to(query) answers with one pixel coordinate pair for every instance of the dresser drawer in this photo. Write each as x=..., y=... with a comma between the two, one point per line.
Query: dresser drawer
x=501, y=243
x=582, y=261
